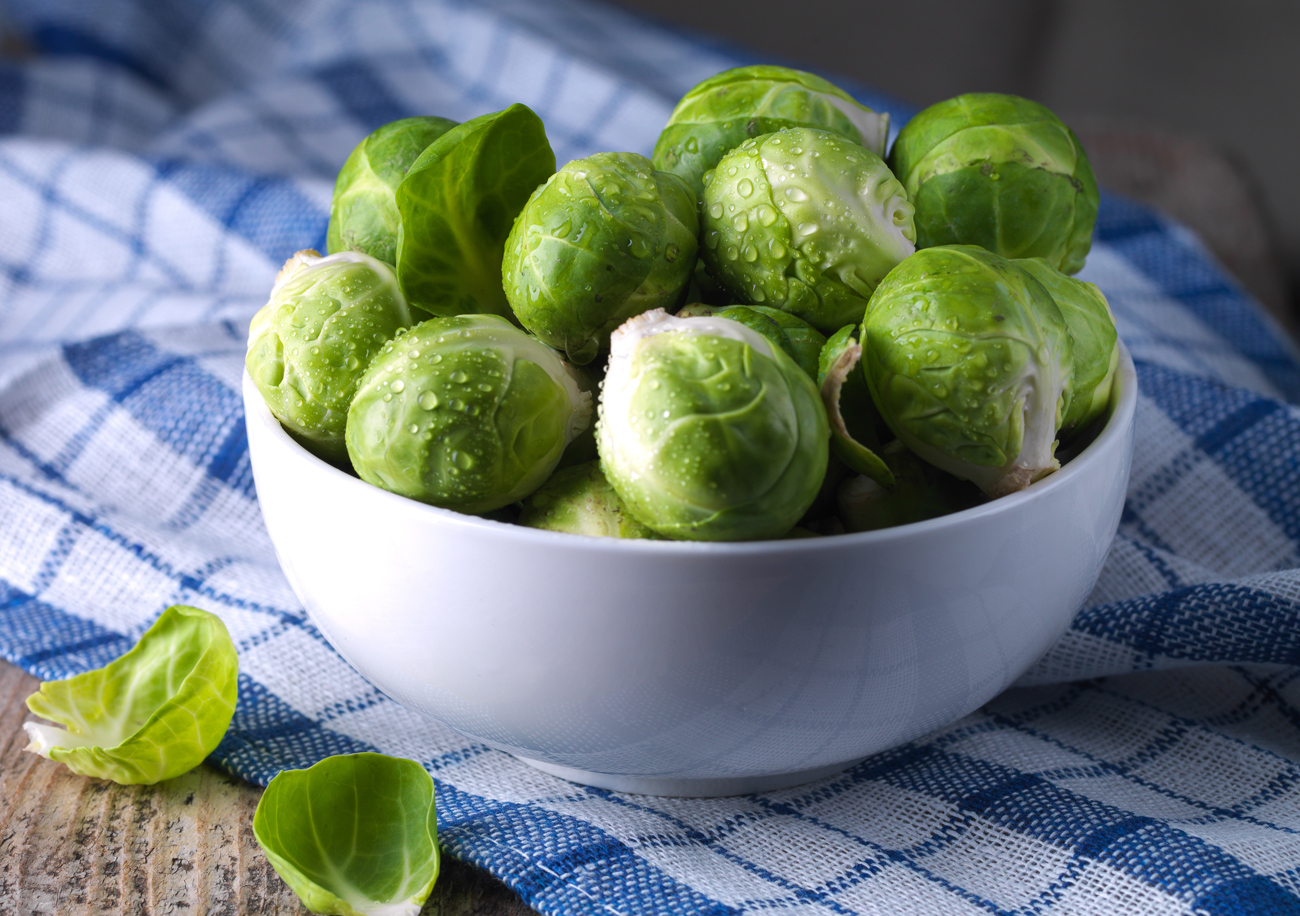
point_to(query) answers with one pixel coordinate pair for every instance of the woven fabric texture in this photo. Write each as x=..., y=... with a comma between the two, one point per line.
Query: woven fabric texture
x=159, y=161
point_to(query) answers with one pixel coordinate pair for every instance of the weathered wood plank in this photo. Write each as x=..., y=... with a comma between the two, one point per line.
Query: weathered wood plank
x=75, y=846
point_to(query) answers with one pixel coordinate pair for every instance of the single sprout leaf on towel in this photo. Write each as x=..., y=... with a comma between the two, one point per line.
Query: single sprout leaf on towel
x=354, y=835
x=149, y=715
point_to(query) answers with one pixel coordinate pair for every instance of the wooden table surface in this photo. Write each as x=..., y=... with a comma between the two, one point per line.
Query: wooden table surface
x=75, y=846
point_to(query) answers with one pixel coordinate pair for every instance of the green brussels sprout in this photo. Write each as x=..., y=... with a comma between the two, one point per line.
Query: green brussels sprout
x=708, y=431
x=968, y=359
x=468, y=413
x=151, y=714
x=1094, y=341
x=605, y=238
x=458, y=202
x=920, y=491
x=849, y=407
x=733, y=106
x=1000, y=172
x=363, y=214
x=801, y=341
x=579, y=500
x=310, y=344
x=807, y=222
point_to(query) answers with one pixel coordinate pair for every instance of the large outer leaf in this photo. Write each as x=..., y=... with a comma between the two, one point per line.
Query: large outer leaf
x=354, y=834
x=150, y=715
x=363, y=214
x=457, y=204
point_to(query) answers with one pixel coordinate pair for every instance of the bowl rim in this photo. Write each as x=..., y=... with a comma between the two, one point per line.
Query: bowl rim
x=1123, y=409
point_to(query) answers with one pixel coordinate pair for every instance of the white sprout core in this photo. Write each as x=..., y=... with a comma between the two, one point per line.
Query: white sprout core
x=873, y=125
x=310, y=259
x=44, y=737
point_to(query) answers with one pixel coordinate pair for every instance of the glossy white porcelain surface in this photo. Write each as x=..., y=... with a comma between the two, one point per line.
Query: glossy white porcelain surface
x=690, y=668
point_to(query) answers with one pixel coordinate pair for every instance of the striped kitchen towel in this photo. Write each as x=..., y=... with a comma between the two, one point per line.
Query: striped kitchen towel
x=159, y=160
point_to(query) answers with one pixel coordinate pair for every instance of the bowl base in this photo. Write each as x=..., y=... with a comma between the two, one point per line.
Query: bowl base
x=689, y=788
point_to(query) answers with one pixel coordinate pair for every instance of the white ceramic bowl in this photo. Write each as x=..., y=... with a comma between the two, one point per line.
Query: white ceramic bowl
x=678, y=668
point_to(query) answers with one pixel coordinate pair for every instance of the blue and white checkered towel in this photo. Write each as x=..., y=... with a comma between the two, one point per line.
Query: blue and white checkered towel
x=161, y=158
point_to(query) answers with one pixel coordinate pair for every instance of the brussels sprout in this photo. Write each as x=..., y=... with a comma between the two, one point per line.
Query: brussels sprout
x=606, y=238
x=579, y=500
x=309, y=345
x=801, y=341
x=807, y=222
x=363, y=215
x=151, y=714
x=920, y=491
x=468, y=413
x=968, y=359
x=1093, y=339
x=457, y=204
x=845, y=392
x=355, y=834
x=1000, y=172
x=708, y=431
x=733, y=106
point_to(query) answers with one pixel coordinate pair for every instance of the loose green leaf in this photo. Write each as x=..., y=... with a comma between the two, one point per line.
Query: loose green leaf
x=152, y=714
x=355, y=834
x=457, y=204
x=838, y=359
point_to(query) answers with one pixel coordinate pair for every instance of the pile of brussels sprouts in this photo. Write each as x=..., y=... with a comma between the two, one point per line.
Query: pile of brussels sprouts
x=766, y=330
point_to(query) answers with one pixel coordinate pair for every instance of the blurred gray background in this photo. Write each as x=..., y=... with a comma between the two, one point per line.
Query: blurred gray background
x=1193, y=106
